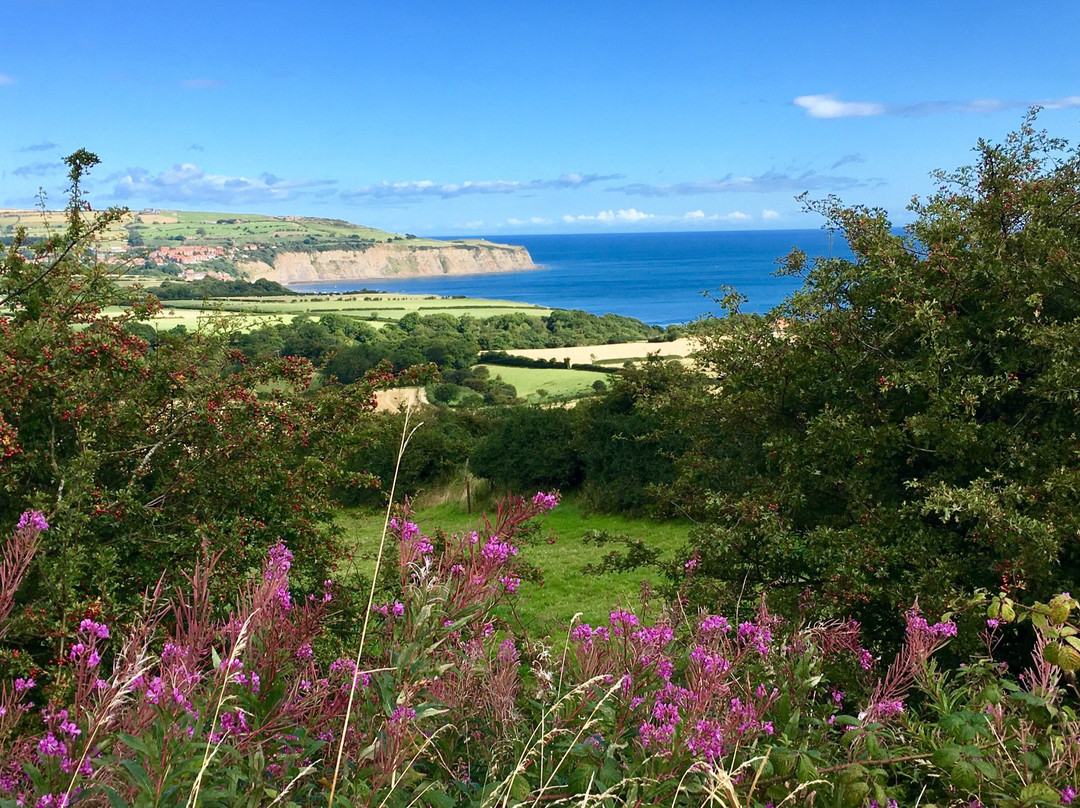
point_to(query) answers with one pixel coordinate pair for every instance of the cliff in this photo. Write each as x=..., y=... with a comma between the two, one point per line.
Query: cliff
x=394, y=260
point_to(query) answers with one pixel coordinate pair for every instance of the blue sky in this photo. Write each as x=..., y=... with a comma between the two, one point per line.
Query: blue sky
x=441, y=118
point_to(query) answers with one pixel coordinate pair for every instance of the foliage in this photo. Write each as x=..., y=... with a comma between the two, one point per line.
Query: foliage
x=529, y=447
x=627, y=451
x=145, y=456
x=906, y=424
x=448, y=706
x=212, y=287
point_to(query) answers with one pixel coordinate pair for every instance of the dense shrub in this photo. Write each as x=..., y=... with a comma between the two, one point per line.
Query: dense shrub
x=529, y=447
x=906, y=424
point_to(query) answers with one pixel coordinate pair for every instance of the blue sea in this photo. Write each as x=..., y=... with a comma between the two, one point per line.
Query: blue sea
x=659, y=278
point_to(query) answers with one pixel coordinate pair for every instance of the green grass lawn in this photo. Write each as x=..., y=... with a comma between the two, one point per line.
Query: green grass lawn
x=560, y=555
x=557, y=382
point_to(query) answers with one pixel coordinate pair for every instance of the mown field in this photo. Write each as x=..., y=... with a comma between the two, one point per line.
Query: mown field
x=561, y=556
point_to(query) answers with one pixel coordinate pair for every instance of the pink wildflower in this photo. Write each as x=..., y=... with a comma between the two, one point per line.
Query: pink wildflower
x=32, y=519
x=545, y=502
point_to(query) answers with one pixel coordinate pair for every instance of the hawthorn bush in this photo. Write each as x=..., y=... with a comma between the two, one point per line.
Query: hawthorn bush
x=147, y=456
x=907, y=424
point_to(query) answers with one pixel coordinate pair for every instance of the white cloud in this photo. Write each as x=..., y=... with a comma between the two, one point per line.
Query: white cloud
x=610, y=216
x=188, y=183
x=5, y=79
x=474, y=225
x=827, y=106
x=767, y=183
x=634, y=216
x=1061, y=103
x=427, y=188
x=769, y=215
x=530, y=220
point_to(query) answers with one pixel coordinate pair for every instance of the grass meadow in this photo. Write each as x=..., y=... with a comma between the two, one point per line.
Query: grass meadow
x=560, y=554
x=554, y=383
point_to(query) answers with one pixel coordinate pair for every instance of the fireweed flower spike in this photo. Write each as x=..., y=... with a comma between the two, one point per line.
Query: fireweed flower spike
x=34, y=520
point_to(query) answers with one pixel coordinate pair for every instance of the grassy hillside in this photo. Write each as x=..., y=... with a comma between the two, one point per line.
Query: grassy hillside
x=150, y=229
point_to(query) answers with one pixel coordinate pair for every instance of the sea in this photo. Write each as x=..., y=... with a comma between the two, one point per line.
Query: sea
x=659, y=278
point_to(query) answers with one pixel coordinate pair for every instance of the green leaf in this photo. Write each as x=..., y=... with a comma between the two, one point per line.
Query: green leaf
x=1039, y=794
x=946, y=757
x=964, y=776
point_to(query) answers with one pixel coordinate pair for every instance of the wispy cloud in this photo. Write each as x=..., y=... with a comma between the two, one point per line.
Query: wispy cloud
x=45, y=145
x=6, y=79
x=769, y=182
x=531, y=220
x=847, y=159
x=770, y=215
x=426, y=188
x=201, y=84
x=195, y=147
x=188, y=183
x=829, y=106
x=635, y=216
x=37, y=169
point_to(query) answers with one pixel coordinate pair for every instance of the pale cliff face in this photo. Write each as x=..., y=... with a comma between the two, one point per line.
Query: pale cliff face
x=389, y=261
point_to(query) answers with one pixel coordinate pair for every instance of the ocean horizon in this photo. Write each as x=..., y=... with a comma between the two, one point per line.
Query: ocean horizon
x=659, y=278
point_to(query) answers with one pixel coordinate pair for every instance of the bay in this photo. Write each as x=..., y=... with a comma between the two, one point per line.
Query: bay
x=659, y=278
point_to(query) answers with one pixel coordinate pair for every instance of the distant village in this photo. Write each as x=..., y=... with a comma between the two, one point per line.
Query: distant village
x=189, y=255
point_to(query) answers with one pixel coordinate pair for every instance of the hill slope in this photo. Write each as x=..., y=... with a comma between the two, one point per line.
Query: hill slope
x=281, y=248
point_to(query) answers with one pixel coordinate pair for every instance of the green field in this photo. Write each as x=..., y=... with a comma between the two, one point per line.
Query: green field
x=566, y=590
x=376, y=308
x=555, y=382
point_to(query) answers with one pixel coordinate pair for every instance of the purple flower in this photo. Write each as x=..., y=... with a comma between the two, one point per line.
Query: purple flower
x=22, y=685
x=715, y=622
x=53, y=801
x=279, y=561
x=99, y=630
x=866, y=659
x=621, y=617
x=305, y=652
x=51, y=746
x=398, y=608
x=758, y=637
x=890, y=707
x=510, y=583
x=33, y=519
x=545, y=502
x=1068, y=794
x=497, y=551
x=408, y=530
